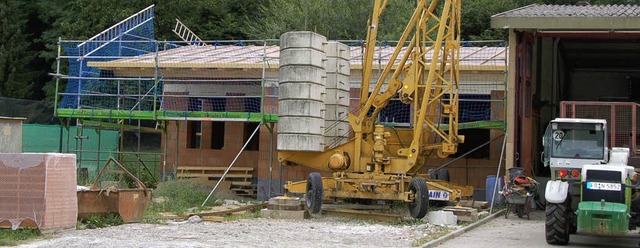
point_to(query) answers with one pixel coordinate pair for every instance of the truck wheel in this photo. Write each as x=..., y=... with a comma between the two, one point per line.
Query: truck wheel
x=557, y=223
x=314, y=192
x=420, y=205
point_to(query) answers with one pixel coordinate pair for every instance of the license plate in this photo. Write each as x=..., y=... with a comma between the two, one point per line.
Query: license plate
x=604, y=186
x=438, y=195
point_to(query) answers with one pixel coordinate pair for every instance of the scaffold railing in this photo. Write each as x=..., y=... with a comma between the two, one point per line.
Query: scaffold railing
x=116, y=31
x=236, y=80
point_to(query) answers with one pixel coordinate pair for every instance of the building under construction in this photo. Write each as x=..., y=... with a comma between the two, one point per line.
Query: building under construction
x=215, y=103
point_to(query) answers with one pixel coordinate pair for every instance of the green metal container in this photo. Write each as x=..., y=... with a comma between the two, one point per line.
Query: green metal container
x=603, y=218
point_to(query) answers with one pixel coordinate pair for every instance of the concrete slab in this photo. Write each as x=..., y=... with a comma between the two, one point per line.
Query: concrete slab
x=337, y=96
x=300, y=142
x=302, y=56
x=336, y=113
x=302, y=73
x=339, y=66
x=300, y=109
x=300, y=125
x=298, y=39
x=337, y=49
x=338, y=81
x=442, y=218
x=301, y=90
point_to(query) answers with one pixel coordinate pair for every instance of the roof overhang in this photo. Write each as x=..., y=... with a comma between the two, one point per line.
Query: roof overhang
x=567, y=23
x=613, y=18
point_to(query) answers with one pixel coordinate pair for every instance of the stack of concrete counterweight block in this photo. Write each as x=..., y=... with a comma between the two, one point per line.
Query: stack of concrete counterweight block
x=301, y=94
x=337, y=97
x=38, y=190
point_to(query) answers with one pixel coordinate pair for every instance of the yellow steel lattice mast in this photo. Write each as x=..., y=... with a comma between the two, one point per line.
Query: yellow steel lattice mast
x=417, y=79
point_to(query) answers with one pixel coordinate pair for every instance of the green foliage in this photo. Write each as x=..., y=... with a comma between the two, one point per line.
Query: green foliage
x=143, y=166
x=10, y=237
x=17, y=76
x=178, y=196
x=99, y=221
x=29, y=30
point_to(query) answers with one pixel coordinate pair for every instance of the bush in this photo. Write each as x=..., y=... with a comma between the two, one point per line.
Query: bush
x=177, y=196
x=99, y=221
x=10, y=237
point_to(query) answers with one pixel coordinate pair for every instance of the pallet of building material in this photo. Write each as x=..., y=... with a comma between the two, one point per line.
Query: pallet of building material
x=465, y=214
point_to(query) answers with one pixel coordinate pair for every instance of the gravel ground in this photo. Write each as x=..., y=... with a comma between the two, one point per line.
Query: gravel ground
x=319, y=231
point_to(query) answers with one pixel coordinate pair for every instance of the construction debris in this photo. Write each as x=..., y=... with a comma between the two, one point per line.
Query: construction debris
x=229, y=211
x=284, y=207
x=285, y=214
x=464, y=213
x=470, y=204
x=442, y=218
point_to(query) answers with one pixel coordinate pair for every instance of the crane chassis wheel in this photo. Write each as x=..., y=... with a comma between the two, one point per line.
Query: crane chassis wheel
x=314, y=192
x=420, y=205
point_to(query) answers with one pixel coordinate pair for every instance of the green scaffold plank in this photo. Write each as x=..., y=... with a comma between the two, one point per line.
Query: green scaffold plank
x=165, y=115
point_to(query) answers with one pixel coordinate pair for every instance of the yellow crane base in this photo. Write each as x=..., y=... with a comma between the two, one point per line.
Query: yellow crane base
x=376, y=187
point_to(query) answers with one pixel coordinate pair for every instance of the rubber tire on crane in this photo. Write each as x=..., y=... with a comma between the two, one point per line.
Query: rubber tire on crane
x=557, y=223
x=420, y=206
x=314, y=192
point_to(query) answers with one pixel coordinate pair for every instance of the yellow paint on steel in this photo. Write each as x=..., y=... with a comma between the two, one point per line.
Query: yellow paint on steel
x=382, y=160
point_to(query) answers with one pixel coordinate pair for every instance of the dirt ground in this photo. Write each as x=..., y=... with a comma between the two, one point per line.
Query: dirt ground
x=318, y=231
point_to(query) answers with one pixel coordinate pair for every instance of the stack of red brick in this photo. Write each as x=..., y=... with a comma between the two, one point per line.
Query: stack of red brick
x=38, y=190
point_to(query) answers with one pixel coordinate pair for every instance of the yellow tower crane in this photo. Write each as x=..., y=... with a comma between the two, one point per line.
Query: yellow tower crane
x=374, y=164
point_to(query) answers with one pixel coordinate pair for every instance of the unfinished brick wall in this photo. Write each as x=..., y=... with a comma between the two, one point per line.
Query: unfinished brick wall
x=38, y=190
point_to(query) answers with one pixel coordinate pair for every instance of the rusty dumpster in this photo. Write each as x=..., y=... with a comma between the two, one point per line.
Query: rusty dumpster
x=129, y=204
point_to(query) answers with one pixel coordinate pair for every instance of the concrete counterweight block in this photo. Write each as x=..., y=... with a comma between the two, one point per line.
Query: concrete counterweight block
x=337, y=93
x=301, y=101
x=442, y=218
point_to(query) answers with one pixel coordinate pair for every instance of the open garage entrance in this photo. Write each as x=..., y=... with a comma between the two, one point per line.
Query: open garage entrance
x=570, y=61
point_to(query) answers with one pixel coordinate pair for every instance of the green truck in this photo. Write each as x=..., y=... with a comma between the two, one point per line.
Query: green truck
x=592, y=189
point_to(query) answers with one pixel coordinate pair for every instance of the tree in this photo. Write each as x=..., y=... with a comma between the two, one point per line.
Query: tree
x=16, y=78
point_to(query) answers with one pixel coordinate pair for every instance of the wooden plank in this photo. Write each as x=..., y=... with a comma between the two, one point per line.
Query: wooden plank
x=213, y=218
x=229, y=211
x=367, y=215
x=471, y=204
x=207, y=168
x=233, y=183
x=189, y=175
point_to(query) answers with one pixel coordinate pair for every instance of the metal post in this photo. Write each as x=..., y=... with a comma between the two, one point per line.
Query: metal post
x=175, y=165
x=270, y=158
x=164, y=154
x=99, y=148
x=55, y=98
x=60, y=141
x=493, y=196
